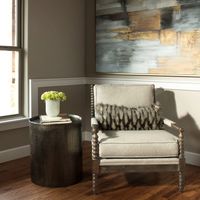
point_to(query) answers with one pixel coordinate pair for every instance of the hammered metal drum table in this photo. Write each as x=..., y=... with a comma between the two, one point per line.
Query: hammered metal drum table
x=56, y=152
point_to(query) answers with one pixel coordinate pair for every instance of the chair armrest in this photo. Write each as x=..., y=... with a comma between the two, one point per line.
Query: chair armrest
x=172, y=124
x=168, y=122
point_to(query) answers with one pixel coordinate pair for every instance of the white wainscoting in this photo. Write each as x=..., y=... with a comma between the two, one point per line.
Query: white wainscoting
x=172, y=83
x=192, y=158
x=35, y=84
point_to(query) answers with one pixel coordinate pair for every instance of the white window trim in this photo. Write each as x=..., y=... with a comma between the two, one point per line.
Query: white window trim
x=19, y=122
x=17, y=47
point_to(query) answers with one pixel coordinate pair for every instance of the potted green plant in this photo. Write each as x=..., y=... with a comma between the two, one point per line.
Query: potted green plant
x=52, y=102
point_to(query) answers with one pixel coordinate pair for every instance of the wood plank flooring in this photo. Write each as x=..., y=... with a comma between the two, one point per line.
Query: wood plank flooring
x=15, y=184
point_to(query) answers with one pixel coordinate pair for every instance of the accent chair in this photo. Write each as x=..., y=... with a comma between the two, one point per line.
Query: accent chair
x=129, y=135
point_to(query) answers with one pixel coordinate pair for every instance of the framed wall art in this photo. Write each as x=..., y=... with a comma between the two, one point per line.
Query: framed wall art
x=148, y=37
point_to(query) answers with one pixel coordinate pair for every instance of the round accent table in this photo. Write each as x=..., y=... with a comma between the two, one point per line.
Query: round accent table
x=56, y=152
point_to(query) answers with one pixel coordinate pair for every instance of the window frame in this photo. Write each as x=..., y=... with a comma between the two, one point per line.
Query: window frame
x=18, y=47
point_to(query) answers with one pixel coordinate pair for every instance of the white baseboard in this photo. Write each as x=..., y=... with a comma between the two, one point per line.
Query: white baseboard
x=23, y=151
x=14, y=153
x=192, y=158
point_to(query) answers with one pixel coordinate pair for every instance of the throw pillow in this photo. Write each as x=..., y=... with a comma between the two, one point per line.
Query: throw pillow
x=112, y=117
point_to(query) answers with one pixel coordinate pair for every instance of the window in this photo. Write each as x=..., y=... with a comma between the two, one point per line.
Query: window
x=10, y=57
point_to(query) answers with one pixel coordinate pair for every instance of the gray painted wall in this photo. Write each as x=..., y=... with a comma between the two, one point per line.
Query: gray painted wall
x=179, y=105
x=183, y=107
x=56, y=49
x=56, y=38
x=90, y=38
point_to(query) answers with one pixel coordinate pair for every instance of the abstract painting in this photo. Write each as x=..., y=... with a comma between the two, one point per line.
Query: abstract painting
x=148, y=37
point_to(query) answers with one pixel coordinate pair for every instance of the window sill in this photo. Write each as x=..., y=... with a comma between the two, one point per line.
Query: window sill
x=18, y=122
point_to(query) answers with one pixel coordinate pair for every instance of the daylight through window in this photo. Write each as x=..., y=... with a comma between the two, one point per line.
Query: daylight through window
x=10, y=57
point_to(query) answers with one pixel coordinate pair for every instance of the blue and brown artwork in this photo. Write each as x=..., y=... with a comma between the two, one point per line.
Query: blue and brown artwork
x=153, y=37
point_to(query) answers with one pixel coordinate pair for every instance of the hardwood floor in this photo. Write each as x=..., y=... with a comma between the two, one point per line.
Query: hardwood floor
x=15, y=184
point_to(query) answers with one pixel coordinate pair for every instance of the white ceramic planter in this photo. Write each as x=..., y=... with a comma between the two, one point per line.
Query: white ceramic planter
x=52, y=108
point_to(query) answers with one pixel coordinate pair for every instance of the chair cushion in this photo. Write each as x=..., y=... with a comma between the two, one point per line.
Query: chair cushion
x=137, y=144
x=112, y=117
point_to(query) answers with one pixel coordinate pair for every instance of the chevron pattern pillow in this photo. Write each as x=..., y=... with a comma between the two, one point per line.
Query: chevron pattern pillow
x=112, y=117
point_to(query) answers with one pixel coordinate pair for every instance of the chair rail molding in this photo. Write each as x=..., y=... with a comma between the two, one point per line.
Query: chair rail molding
x=172, y=83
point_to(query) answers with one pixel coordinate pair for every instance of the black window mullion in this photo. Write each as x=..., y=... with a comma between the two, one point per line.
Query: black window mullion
x=20, y=23
x=10, y=48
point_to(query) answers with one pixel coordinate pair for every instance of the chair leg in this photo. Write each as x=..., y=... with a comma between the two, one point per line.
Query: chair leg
x=181, y=180
x=94, y=182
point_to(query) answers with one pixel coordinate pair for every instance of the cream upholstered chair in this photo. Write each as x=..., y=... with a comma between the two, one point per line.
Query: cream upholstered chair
x=128, y=134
